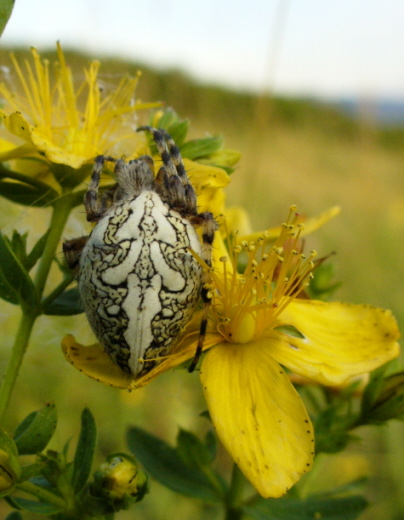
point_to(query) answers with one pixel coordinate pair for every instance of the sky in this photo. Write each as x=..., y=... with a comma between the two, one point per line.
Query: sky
x=319, y=48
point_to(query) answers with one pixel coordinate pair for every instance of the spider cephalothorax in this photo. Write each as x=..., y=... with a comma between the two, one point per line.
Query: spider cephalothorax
x=137, y=277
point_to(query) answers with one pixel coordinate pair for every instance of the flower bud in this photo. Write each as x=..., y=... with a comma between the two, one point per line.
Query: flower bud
x=119, y=481
x=8, y=476
x=10, y=468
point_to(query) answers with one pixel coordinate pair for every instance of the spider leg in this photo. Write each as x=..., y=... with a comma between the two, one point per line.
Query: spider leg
x=94, y=205
x=168, y=151
x=72, y=250
x=179, y=193
x=209, y=226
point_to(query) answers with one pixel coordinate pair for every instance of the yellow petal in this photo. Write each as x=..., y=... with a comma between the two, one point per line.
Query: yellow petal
x=211, y=199
x=95, y=363
x=237, y=220
x=17, y=125
x=340, y=340
x=37, y=141
x=310, y=225
x=204, y=176
x=57, y=154
x=16, y=152
x=258, y=416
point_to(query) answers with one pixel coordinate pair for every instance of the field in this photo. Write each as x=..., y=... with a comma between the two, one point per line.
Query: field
x=293, y=151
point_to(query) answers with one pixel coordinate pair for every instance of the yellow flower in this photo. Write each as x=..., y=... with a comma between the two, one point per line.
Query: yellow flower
x=67, y=125
x=257, y=325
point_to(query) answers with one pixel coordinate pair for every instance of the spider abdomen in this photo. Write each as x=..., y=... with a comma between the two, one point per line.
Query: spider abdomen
x=138, y=280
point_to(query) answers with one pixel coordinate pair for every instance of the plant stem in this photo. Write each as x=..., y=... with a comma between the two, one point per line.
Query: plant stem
x=20, y=346
x=58, y=221
x=42, y=494
x=235, y=495
x=59, y=217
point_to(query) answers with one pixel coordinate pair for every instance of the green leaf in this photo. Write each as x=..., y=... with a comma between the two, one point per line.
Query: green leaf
x=14, y=515
x=66, y=304
x=28, y=194
x=373, y=388
x=6, y=293
x=168, y=118
x=69, y=177
x=347, y=508
x=18, y=244
x=37, y=251
x=211, y=445
x=332, y=430
x=290, y=330
x=6, y=7
x=192, y=451
x=7, y=444
x=178, y=131
x=14, y=278
x=36, y=430
x=42, y=508
x=198, y=148
x=83, y=458
x=166, y=465
x=30, y=471
x=322, y=285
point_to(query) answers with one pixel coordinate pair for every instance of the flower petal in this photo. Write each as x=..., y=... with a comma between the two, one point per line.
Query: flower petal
x=258, y=416
x=205, y=176
x=310, y=225
x=340, y=340
x=95, y=363
x=17, y=125
x=237, y=220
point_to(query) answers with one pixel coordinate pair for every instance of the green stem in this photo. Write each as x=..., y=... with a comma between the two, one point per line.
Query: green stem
x=17, y=354
x=42, y=494
x=58, y=221
x=57, y=291
x=59, y=218
x=6, y=173
x=235, y=495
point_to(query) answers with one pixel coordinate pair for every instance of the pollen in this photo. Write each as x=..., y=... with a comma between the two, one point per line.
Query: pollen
x=246, y=303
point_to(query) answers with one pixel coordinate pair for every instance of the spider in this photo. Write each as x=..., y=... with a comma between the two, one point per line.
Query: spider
x=137, y=278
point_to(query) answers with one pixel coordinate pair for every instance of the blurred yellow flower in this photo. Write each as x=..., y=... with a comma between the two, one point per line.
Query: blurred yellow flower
x=257, y=325
x=64, y=124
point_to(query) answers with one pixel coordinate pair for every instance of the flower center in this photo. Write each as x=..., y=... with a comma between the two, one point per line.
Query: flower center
x=246, y=304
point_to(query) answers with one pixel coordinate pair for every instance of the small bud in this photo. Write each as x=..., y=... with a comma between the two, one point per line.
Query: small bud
x=10, y=468
x=119, y=481
x=7, y=475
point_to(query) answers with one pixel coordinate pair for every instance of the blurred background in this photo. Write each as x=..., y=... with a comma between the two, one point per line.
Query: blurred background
x=311, y=92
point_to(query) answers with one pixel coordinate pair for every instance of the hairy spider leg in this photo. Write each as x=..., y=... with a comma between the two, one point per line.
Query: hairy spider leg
x=209, y=226
x=94, y=205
